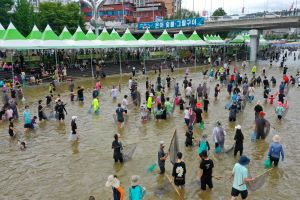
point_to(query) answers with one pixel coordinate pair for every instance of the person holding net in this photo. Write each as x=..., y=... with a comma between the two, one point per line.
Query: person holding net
x=240, y=176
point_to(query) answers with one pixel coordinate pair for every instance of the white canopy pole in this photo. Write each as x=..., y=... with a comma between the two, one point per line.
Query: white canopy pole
x=92, y=63
x=120, y=62
x=195, y=61
x=12, y=68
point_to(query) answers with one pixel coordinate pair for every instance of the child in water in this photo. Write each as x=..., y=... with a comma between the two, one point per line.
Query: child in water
x=203, y=144
x=181, y=103
x=205, y=103
x=22, y=145
x=144, y=112
x=189, y=137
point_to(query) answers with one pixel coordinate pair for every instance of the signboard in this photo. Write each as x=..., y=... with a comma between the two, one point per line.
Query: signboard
x=167, y=24
x=159, y=19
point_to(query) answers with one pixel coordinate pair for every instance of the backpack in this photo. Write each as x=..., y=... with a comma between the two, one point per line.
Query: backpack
x=202, y=146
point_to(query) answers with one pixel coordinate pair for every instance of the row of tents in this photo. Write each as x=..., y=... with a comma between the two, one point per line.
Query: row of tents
x=11, y=38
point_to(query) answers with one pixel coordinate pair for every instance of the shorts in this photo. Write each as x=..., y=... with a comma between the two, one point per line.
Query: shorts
x=235, y=193
x=27, y=125
x=275, y=160
x=61, y=116
x=121, y=120
x=206, y=181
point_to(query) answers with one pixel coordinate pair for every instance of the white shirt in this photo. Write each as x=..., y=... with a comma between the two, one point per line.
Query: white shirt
x=114, y=93
x=186, y=114
x=130, y=83
x=124, y=104
x=188, y=91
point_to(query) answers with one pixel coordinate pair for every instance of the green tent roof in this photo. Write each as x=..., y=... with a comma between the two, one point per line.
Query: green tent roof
x=239, y=39
x=2, y=31
x=90, y=35
x=65, y=34
x=79, y=35
x=127, y=36
x=180, y=36
x=115, y=35
x=104, y=36
x=147, y=36
x=12, y=33
x=194, y=36
x=165, y=36
x=49, y=34
x=35, y=34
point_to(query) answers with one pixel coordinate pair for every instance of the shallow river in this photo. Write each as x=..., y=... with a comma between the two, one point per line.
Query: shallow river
x=52, y=168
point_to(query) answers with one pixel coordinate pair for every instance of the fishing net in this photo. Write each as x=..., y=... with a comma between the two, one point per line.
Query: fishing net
x=258, y=182
x=128, y=151
x=267, y=128
x=174, y=148
x=174, y=105
x=229, y=150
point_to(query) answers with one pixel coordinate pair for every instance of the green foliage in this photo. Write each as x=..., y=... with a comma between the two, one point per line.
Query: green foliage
x=185, y=13
x=23, y=17
x=58, y=15
x=219, y=12
x=5, y=6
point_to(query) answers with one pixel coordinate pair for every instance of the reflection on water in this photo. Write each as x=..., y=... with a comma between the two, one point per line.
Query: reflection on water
x=54, y=168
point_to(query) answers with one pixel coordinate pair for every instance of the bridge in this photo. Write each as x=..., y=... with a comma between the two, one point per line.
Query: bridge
x=260, y=23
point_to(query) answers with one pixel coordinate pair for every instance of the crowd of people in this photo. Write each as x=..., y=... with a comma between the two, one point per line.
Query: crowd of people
x=191, y=98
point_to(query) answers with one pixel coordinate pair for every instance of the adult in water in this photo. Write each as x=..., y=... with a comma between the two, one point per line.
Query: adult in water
x=95, y=105
x=240, y=178
x=260, y=125
x=219, y=136
x=74, y=135
x=162, y=156
x=257, y=109
x=60, y=110
x=27, y=118
x=114, y=183
x=120, y=115
x=80, y=95
x=136, y=191
x=179, y=171
x=117, y=147
x=41, y=113
x=276, y=150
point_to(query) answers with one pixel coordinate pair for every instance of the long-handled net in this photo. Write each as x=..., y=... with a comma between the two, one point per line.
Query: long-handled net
x=174, y=148
x=174, y=105
x=258, y=182
x=128, y=151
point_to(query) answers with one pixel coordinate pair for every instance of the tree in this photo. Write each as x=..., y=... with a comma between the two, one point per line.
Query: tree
x=219, y=12
x=185, y=13
x=58, y=15
x=23, y=17
x=5, y=6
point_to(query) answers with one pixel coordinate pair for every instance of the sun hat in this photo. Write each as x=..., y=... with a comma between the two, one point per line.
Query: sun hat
x=135, y=180
x=276, y=138
x=238, y=127
x=162, y=143
x=74, y=117
x=244, y=160
x=112, y=181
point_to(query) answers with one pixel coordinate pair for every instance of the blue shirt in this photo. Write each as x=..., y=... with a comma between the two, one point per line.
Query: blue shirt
x=136, y=193
x=26, y=115
x=240, y=172
x=276, y=150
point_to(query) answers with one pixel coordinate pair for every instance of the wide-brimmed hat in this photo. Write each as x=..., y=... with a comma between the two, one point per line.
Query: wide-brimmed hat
x=112, y=181
x=262, y=114
x=276, y=138
x=244, y=160
x=162, y=143
x=238, y=127
x=135, y=180
x=199, y=105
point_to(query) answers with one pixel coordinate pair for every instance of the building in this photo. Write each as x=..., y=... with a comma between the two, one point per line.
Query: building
x=116, y=12
x=150, y=11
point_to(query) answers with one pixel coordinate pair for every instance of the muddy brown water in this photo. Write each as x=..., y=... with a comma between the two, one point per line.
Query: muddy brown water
x=54, y=168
